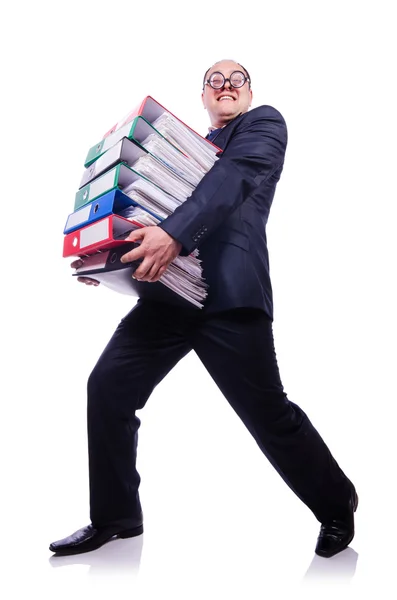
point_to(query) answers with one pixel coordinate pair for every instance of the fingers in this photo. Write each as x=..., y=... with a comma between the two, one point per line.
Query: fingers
x=151, y=274
x=137, y=234
x=77, y=263
x=159, y=274
x=132, y=255
x=150, y=271
x=145, y=268
x=88, y=281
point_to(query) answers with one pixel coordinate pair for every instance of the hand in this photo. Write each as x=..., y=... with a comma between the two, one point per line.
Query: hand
x=87, y=280
x=158, y=250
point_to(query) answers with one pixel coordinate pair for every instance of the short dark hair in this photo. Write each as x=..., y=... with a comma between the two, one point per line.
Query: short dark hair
x=244, y=69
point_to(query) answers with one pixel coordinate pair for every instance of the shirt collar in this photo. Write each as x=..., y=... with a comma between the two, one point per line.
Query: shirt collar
x=210, y=129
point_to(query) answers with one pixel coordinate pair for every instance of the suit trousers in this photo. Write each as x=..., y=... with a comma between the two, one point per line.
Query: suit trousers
x=237, y=349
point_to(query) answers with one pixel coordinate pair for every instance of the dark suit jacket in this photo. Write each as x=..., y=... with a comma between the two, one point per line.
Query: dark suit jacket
x=226, y=216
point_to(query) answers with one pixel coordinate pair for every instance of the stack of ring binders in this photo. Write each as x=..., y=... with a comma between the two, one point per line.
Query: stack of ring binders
x=144, y=167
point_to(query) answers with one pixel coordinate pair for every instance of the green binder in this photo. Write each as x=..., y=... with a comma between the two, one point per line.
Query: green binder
x=137, y=130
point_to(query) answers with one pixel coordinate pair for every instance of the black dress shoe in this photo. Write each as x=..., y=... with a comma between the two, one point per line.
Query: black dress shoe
x=90, y=538
x=336, y=534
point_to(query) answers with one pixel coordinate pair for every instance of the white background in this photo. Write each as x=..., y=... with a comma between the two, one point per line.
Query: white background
x=219, y=522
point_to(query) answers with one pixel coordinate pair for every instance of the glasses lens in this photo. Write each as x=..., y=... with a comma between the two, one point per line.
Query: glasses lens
x=237, y=79
x=217, y=80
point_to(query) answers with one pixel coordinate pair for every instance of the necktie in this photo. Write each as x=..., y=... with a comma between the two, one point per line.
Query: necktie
x=213, y=133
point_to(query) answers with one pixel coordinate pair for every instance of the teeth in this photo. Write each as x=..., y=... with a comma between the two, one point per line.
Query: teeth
x=226, y=98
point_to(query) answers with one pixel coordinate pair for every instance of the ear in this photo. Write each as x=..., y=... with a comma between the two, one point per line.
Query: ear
x=251, y=96
x=202, y=99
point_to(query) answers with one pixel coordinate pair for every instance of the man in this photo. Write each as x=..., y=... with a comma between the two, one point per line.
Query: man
x=225, y=218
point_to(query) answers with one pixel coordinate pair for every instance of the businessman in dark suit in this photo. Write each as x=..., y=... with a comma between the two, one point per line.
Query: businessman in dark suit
x=225, y=218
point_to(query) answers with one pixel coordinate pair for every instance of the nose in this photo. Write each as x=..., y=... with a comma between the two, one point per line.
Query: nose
x=227, y=81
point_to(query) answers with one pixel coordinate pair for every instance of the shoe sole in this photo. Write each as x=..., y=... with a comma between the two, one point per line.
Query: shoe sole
x=128, y=533
x=131, y=532
x=330, y=554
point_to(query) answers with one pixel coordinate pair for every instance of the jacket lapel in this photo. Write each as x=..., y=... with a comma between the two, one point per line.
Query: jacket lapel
x=222, y=137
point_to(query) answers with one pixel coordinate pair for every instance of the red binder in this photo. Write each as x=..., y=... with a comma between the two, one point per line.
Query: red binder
x=101, y=235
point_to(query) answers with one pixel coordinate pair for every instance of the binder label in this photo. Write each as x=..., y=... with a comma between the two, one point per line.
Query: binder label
x=94, y=233
x=80, y=216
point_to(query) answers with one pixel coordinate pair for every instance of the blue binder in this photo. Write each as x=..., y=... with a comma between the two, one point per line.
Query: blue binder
x=111, y=203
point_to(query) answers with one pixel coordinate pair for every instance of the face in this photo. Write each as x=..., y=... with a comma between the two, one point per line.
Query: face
x=225, y=104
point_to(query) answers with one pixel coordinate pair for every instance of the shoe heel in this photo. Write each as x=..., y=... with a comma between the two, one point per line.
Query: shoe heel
x=128, y=533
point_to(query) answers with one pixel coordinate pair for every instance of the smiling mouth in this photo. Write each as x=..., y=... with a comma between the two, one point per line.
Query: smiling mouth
x=226, y=98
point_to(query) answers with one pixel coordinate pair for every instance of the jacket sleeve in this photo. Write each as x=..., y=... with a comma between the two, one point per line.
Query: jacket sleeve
x=255, y=151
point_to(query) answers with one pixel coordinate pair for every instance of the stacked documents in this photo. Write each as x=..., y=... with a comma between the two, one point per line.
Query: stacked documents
x=198, y=149
x=144, y=167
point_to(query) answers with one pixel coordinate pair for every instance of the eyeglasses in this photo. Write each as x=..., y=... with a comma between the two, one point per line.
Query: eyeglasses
x=217, y=80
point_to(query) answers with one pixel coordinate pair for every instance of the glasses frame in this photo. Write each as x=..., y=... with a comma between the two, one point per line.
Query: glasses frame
x=237, y=87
